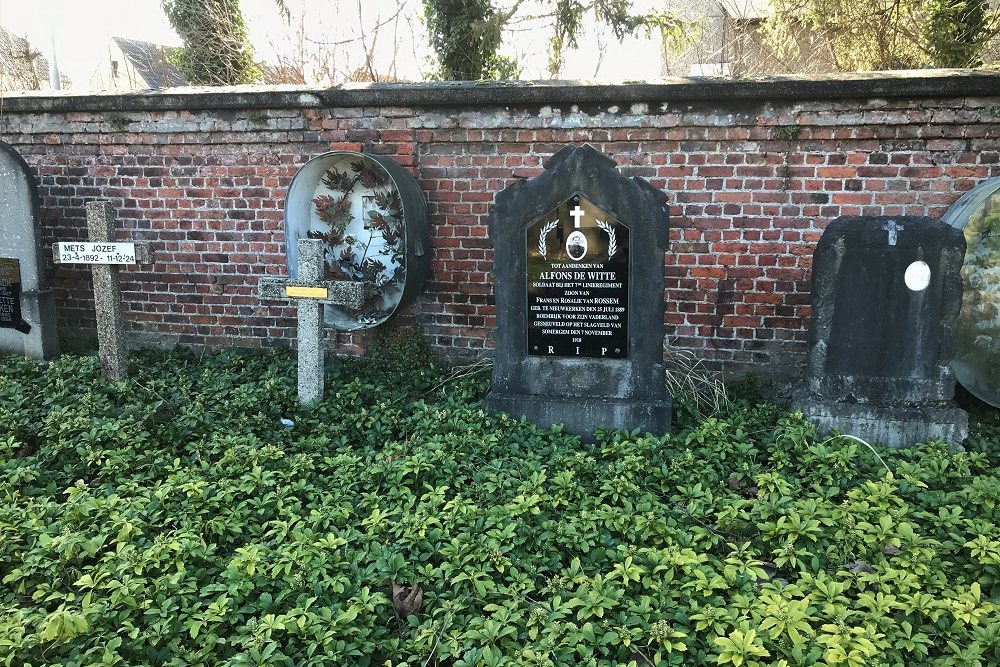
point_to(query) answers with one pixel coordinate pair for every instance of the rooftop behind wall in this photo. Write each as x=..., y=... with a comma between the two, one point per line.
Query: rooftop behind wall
x=754, y=171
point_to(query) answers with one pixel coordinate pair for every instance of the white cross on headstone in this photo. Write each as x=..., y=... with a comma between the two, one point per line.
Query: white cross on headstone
x=576, y=213
x=893, y=228
x=311, y=293
x=104, y=256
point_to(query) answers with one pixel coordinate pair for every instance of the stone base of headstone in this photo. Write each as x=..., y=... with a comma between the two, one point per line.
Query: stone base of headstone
x=893, y=426
x=578, y=414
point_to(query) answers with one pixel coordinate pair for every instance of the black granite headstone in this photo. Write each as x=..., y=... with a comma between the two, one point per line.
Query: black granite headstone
x=886, y=293
x=578, y=276
x=578, y=283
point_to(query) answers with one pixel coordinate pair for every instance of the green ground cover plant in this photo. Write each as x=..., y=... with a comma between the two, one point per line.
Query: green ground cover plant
x=172, y=519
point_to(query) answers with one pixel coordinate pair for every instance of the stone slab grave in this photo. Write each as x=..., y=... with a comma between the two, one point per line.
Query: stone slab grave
x=105, y=255
x=886, y=293
x=27, y=310
x=311, y=293
x=578, y=277
x=977, y=341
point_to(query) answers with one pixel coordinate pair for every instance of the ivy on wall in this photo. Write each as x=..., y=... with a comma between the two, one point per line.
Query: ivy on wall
x=216, y=50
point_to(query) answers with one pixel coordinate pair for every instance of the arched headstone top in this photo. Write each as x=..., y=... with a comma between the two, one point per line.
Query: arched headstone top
x=14, y=162
x=584, y=169
x=977, y=342
x=583, y=154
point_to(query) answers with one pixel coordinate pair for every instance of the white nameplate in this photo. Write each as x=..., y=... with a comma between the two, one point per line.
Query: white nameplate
x=81, y=252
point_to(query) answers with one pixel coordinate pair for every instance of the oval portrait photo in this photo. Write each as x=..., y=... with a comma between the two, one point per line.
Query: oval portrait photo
x=576, y=246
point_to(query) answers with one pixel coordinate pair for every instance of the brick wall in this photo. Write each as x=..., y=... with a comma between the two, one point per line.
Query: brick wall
x=754, y=171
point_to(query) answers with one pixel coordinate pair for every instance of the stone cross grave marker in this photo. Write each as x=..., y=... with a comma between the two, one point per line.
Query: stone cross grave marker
x=882, y=332
x=105, y=255
x=311, y=292
x=578, y=276
x=27, y=312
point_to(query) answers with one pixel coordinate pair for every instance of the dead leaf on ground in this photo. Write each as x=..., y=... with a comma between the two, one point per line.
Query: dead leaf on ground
x=406, y=599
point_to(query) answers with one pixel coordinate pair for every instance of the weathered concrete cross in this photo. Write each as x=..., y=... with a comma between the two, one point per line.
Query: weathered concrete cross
x=311, y=293
x=893, y=228
x=104, y=256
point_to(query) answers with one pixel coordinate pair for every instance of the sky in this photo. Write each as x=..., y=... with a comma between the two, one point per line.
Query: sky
x=80, y=31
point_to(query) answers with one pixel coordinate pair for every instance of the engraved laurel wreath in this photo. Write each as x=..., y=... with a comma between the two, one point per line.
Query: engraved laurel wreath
x=542, y=234
x=612, y=239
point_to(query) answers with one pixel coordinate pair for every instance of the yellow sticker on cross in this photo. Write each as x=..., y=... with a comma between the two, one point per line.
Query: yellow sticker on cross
x=300, y=292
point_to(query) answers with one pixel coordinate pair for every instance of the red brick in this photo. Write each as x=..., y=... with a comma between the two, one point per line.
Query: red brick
x=744, y=217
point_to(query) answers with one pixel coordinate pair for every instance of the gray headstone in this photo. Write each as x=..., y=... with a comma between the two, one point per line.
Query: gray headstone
x=886, y=293
x=104, y=255
x=578, y=277
x=27, y=311
x=977, y=341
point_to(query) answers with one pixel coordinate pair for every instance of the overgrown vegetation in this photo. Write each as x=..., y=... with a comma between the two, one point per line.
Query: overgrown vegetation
x=216, y=49
x=883, y=35
x=466, y=35
x=174, y=520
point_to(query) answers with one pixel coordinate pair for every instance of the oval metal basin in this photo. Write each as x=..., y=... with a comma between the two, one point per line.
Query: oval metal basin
x=373, y=217
x=977, y=340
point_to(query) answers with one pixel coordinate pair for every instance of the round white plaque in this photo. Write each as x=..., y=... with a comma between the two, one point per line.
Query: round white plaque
x=917, y=276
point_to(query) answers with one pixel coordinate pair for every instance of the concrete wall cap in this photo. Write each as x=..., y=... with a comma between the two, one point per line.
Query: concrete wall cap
x=869, y=85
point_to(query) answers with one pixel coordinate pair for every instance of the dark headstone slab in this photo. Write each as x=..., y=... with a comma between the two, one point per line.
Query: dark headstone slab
x=977, y=340
x=886, y=294
x=578, y=276
x=27, y=311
